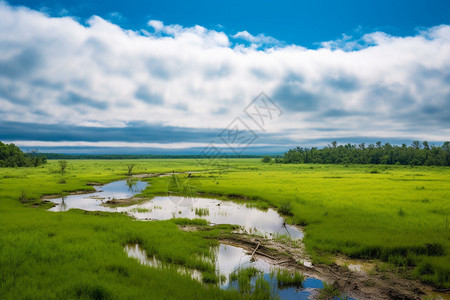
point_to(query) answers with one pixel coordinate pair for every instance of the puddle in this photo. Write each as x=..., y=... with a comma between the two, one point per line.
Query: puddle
x=122, y=189
x=135, y=251
x=268, y=223
x=231, y=259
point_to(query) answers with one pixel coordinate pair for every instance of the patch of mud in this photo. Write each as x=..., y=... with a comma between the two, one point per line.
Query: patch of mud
x=356, y=265
x=122, y=202
x=55, y=196
x=149, y=175
x=356, y=282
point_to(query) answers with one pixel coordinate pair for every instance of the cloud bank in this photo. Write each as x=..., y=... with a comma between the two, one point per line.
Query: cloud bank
x=60, y=73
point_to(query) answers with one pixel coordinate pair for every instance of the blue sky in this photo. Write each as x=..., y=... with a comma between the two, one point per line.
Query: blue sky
x=174, y=76
x=305, y=23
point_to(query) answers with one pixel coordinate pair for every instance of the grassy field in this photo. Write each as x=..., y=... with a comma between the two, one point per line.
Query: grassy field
x=399, y=214
x=46, y=255
x=395, y=213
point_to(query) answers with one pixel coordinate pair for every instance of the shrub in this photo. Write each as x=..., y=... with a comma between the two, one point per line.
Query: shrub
x=266, y=159
x=286, y=208
x=23, y=197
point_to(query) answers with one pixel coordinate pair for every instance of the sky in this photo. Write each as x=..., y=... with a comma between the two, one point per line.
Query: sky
x=247, y=77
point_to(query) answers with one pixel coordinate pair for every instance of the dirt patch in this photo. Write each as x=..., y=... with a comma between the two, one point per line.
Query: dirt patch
x=44, y=203
x=80, y=192
x=123, y=202
x=149, y=175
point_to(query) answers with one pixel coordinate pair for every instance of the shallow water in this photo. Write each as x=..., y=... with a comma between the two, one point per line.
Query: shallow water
x=228, y=260
x=253, y=220
x=122, y=189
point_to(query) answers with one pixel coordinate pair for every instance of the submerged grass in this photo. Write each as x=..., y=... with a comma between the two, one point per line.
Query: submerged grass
x=243, y=279
x=201, y=211
x=286, y=278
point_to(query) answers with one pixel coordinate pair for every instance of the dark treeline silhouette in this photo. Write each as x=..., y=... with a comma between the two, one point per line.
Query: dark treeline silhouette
x=133, y=156
x=12, y=156
x=417, y=154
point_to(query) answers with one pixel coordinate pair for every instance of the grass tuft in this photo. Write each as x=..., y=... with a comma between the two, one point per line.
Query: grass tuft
x=202, y=211
x=286, y=208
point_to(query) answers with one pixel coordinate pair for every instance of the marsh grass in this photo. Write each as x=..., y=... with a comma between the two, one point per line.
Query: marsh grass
x=186, y=221
x=329, y=291
x=262, y=289
x=78, y=254
x=243, y=278
x=140, y=210
x=286, y=278
x=362, y=222
x=199, y=211
x=286, y=208
x=353, y=214
x=23, y=197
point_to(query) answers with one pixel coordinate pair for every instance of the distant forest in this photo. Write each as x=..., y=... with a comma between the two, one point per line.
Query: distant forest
x=12, y=156
x=132, y=156
x=417, y=154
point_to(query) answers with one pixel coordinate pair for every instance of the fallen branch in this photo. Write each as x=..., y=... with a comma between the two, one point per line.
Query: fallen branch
x=257, y=246
x=266, y=255
x=284, y=261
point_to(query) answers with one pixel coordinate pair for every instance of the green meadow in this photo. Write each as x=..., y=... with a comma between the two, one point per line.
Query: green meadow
x=397, y=214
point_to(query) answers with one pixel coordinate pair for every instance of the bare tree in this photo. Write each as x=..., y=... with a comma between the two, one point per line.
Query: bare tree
x=130, y=169
x=62, y=166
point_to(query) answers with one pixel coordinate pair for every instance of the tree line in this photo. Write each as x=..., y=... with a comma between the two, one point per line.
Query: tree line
x=417, y=154
x=12, y=156
x=136, y=156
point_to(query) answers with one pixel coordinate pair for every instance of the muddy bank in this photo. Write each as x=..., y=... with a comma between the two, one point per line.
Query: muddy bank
x=360, y=281
x=149, y=175
x=54, y=196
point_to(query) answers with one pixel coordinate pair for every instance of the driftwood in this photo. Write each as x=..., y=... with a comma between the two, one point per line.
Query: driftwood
x=441, y=290
x=266, y=255
x=257, y=246
x=284, y=261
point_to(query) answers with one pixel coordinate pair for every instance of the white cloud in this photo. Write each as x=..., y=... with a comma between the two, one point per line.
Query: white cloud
x=57, y=71
x=157, y=25
x=258, y=40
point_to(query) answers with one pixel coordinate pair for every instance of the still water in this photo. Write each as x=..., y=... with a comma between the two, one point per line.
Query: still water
x=253, y=220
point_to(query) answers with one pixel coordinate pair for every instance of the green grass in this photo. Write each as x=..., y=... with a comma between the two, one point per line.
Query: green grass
x=261, y=288
x=243, y=278
x=77, y=254
x=398, y=211
x=399, y=214
x=286, y=278
x=201, y=211
x=329, y=291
